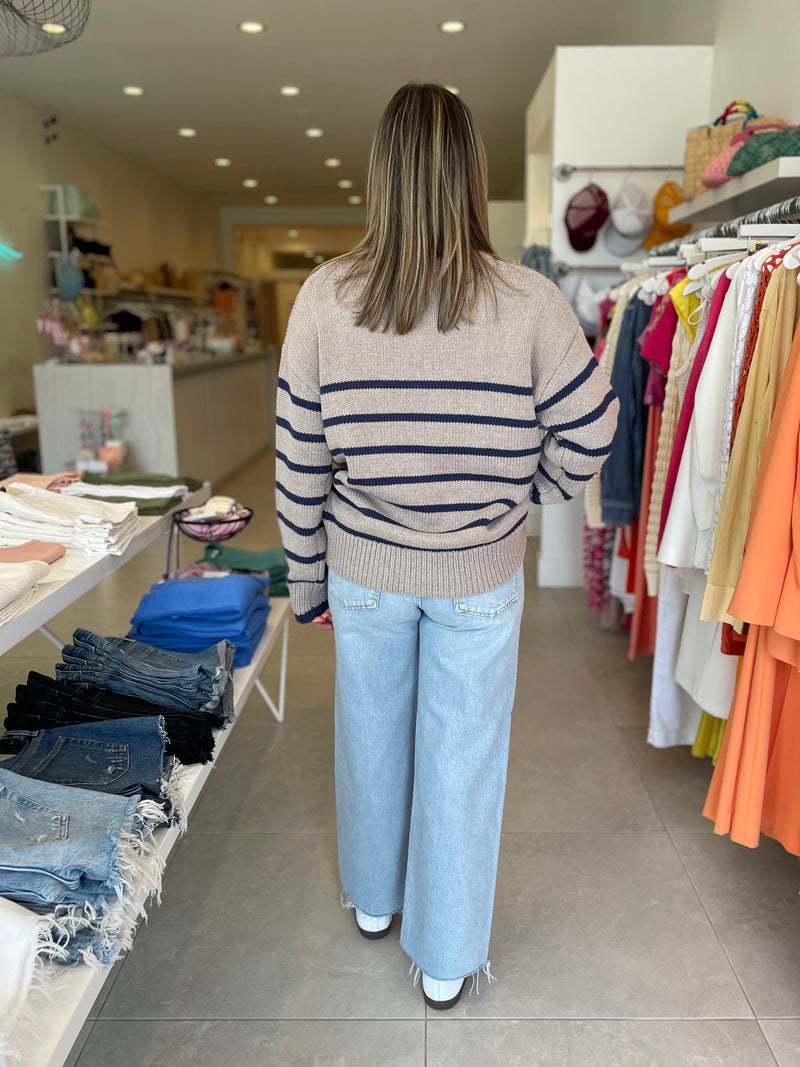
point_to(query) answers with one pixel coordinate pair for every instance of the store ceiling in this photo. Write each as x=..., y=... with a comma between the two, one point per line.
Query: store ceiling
x=348, y=56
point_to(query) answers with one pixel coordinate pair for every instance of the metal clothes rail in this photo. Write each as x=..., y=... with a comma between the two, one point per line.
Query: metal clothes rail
x=785, y=211
x=564, y=171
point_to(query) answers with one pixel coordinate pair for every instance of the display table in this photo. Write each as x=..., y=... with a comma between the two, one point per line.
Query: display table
x=212, y=416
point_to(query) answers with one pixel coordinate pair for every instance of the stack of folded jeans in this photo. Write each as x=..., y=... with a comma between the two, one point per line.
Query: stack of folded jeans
x=45, y=703
x=185, y=614
x=86, y=860
x=271, y=561
x=123, y=756
x=29, y=513
x=202, y=681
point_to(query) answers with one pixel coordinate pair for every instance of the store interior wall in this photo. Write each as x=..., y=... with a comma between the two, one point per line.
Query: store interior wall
x=147, y=218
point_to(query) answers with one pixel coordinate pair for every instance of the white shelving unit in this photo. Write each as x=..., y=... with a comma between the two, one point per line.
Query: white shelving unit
x=59, y=1023
x=769, y=184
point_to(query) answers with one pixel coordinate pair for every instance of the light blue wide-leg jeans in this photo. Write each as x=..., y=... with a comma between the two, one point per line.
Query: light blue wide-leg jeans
x=424, y=691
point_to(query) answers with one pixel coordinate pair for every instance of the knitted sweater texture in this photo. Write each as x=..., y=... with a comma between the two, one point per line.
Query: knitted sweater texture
x=408, y=463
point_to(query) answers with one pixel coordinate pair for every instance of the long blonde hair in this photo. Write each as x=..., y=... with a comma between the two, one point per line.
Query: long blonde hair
x=427, y=193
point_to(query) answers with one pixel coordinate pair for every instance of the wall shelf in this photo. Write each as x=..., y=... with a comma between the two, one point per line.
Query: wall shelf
x=77, y=219
x=768, y=184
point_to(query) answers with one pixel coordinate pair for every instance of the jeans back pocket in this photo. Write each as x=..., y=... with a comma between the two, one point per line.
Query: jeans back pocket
x=24, y=821
x=80, y=761
x=488, y=605
x=351, y=596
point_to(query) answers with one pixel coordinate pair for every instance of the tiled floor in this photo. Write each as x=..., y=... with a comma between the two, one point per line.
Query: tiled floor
x=626, y=934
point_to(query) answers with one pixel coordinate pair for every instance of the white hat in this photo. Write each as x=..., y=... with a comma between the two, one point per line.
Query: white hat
x=631, y=219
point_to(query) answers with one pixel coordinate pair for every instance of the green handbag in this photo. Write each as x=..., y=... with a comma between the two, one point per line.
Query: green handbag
x=763, y=148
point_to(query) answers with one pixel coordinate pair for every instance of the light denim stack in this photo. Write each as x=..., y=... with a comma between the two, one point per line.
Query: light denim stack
x=424, y=691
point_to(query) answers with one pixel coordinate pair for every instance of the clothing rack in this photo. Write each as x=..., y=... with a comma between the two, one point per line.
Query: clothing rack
x=787, y=211
x=564, y=171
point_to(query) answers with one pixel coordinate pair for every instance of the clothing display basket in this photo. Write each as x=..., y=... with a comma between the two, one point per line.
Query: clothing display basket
x=218, y=528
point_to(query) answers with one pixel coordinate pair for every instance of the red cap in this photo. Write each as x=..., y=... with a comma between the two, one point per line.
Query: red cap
x=586, y=212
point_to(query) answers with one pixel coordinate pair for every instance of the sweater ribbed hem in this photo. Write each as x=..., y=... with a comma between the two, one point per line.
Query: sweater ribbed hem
x=415, y=572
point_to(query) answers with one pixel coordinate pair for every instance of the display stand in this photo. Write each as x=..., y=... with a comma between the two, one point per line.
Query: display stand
x=59, y=1023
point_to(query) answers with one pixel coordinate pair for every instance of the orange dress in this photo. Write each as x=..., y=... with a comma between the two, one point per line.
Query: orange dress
x=755, y=784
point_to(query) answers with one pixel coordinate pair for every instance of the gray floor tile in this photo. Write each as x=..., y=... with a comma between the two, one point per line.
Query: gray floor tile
x=256, y=1044
x=752, y=899
x=80, y=1043
x=574, y=778
x=309, y=687
x=586, y=1043
x=784, y=1040
x=675, y=779
x=601, y=926
x=250, y=927
x=276, y=778
x=554, y=686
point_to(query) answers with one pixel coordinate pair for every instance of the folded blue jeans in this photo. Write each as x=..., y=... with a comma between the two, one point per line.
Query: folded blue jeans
x=188, y=635
x=424, y=691
x=123, y=756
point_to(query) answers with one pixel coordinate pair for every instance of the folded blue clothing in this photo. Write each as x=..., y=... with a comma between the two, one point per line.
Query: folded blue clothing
x=182, y=635
x=207, y=627
x=228, y=598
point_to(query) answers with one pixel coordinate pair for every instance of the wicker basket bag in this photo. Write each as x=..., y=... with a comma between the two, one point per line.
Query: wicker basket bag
x=706, y=142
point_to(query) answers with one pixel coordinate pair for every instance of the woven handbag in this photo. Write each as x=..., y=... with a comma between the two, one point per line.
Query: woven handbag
x=706, y=142
x=764, y=148
x=716, y=173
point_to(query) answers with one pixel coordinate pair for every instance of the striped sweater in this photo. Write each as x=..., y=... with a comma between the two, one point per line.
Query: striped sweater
x=408, y=463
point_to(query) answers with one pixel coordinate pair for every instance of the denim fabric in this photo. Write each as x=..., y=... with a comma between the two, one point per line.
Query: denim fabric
x=45, y=704
x=424, y=690
x=125, y=756
x=57, y=843
x=177, y=680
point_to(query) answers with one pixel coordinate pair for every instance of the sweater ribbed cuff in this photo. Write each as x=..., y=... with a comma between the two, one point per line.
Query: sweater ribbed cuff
x=309, y=599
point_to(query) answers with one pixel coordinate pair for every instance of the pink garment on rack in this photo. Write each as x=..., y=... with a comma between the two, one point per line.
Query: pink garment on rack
x=44, y=551
x=644, y=621
x=687, y=408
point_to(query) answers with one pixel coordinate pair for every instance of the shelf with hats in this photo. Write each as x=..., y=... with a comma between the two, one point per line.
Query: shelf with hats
x=767, y=184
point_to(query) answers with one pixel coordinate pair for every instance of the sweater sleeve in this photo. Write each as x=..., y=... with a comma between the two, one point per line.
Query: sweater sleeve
x=577, y=409
x=303, y=463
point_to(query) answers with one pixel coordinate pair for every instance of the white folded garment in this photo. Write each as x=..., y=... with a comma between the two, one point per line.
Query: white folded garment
x=141, y=492
x=93, y=526
x=16, y=579
x=28, y=501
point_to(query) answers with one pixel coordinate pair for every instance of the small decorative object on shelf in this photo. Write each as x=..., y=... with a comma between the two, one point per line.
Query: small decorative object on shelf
x=209, y=526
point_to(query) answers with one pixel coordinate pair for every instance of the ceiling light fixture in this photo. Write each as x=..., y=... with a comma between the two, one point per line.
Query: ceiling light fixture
x=221, y=161
x=290, y=90
x=53, y=27
x=133, y=90
x=333, y=162
x=452, y=89
x=345, y=183
x=187, y=131
x=309, y=253
x=294, y=233
x=452, y=26
x=354, y=200
x=315, y=131
x=251, y=27
x=250, y=183
x=319, y=259
x=270, y=200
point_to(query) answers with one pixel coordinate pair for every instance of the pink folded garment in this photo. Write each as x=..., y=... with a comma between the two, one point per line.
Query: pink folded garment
x=46, y=551
x=53, y=482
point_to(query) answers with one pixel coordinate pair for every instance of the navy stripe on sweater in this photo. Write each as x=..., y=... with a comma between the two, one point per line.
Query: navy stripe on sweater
x=301, y=467
x=371, y=514
x=377, y=383
x=443, y=450
x=430, y=508
x=552, y=481
x=301, y=531
x=313, y=438
x=589, y=417
x=577, y=381
x=298, y=401
x=421, y=479
x=579, y=477
x=304, y=559
x=422, y=416
x=306, y=501
x=413, y=548
x=571, y=446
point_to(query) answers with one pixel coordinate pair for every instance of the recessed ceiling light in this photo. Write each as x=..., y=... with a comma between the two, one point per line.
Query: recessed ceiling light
x=187, y=131
x=221, y=161
x=452, y=89
x=250, y=183
x=315, y=131
x=345, y=183
x=354, y=200
x=452, y=26
x=270, y=200
x=333, y=162
x=290, y=90
x=309, y=253
x=319, y=259
x=133, y=90
x=53, y=27
x=294, y=233
x=251, y=27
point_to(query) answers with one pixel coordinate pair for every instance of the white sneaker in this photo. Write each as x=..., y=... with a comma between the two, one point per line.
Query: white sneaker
x=441, y=995
x=373, y=926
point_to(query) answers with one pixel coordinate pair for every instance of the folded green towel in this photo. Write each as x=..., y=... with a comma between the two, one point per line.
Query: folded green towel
x=271, y=560
x=134, y=478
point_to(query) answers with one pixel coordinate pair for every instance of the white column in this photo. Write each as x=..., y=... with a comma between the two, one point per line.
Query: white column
x=561, y=550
